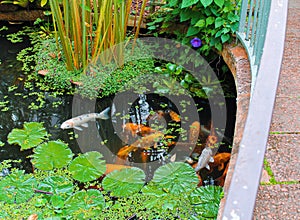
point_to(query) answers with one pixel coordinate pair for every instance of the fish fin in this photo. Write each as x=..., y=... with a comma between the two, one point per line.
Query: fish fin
x=211, y=159
x=104, y=114
x=78, y=128
x=85, y=125
x=173, y=158
x=207, y=167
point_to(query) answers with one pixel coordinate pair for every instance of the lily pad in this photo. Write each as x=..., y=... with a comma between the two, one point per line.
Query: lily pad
x=124, y=182
x=32, y=134
x=87, y=167
x=17, y=187
x=82, y=201
x=50, y=155
x=206, y=200
x=57, y=185
x=176, y=178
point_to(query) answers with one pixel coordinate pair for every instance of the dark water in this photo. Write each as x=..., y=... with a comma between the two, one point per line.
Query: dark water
x=111, y=131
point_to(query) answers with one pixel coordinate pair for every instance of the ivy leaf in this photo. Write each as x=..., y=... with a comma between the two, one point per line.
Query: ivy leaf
x=200, y=23
x=219, y=22
x=219, y=3
x=206, y=3
x=188, y=3
x=206, y=200
x=87, y=167
x=82, y=201
x=50, y=155
x=192, y=31
x=32, y=134
x=225, y=38
x=17, y=187
x=176, y=178
x=124, y=182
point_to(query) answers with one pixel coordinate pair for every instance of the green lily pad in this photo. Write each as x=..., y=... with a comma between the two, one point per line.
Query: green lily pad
x=50, y=155
x=176, y=178
x=206, y=200
x=82, y=201
x=124, y=182
x=32, y=134
x=17, y=187
x=87, y=167
x=57, y=185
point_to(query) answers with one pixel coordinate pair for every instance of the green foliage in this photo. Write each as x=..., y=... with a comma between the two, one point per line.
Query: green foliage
x=22, y=3
x=124, y=182
x=17, y=187
x=206, y=201
x=212, y=21
x=87, y=167
x=50, y=155
x=32, y=134
x=56, y=194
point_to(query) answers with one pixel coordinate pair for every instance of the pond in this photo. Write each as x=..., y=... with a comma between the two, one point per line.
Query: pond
x=112, y=137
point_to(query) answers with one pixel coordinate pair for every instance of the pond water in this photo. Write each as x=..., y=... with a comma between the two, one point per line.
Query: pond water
x=110, y=133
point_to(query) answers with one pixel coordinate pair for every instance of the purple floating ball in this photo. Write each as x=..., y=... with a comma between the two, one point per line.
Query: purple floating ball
x=196, y=42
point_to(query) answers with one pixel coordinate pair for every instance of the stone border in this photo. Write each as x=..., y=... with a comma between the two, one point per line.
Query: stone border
x=21, y=15
x=235, y=56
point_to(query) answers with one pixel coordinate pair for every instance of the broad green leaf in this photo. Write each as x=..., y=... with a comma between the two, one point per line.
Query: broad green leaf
x=87, y=167
x=188, y=3
x=82, y=201
x=124, y=182
x=176, y=178
x=219, y=3
x=44, y=2
x=225, y=38
x=32, y=134
x=192, y=31
x=209, y=21
x=219, y=22
x=50, y=155
x=206, y=3
x=171, y=67
x=200, y=23
x=17, y=187
x=57, y=185
x=206, y=200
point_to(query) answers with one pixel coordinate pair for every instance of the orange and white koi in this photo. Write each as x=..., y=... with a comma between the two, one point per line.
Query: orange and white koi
x=149, y=140
x=82, y=120
x=135, y=129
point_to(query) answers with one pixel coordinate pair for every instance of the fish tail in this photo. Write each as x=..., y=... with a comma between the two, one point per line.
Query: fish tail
x=104, y=114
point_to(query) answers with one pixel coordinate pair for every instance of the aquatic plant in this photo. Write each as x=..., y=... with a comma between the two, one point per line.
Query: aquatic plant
x=55, y=192
x=32, y=134
x=87, y=28
x=22, y=3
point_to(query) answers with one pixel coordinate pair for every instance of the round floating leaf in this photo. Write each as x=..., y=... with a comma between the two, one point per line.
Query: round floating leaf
x=50, y=155
x=32, y=134
x=206, y=200
x=17, y=187
x=57, y=185
x=87, y=167
x=176, y=178
x=124, y=182
x=82, y=201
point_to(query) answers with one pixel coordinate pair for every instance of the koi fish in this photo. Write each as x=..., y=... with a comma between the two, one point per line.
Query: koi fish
x=138, y=129
x=148, y=141
x=173, y=115
x=208, y=152
x=195, y=129
x=81, y=120
x=205, y=157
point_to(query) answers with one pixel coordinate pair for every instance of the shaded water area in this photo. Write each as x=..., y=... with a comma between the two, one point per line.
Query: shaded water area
x=110, y=136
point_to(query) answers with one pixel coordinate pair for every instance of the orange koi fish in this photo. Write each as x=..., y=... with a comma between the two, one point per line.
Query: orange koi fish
x=174, y=116
x=149, y=140
x=220, y=159
x=195, y=130
x=135, y=129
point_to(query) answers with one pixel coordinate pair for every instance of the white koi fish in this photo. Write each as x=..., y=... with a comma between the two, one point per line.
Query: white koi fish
x=82, y=120
x=205, y=157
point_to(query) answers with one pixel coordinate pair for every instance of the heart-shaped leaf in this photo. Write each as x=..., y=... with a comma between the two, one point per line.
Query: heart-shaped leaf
x=82, y=201
x=50, y=155
x=176, y=178
x=32, y=134
x=17, y=187
x=87, y=167
x=124, y=182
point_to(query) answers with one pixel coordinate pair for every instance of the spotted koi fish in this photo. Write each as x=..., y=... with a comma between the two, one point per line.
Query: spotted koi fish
x=82, y=120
